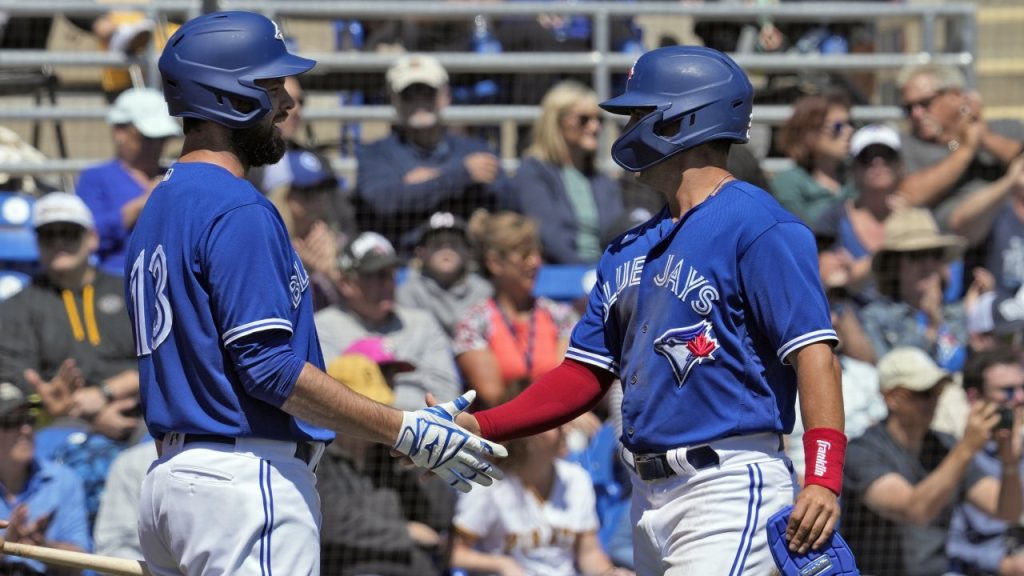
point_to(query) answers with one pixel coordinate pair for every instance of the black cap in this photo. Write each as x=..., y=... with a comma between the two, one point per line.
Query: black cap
x=439, y=222
x=369, y=252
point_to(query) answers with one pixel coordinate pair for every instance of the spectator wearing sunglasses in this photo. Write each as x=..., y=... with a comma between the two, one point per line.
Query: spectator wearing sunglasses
x=817, y=138
x=558, y=183
x=857, y=222
x=911, y=270
x=978, y=544
x=950, y=149
x=903, y=478
x=67, y=337
x=43, y=502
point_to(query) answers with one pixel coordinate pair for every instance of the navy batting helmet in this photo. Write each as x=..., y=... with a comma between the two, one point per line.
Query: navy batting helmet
x=218, y=57
x=697, y=95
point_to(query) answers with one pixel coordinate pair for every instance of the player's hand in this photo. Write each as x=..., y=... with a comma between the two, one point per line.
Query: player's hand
x=432, y=440
x=815, y=514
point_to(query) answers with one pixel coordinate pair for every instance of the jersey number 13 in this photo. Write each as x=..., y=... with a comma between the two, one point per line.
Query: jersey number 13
x=149, y=337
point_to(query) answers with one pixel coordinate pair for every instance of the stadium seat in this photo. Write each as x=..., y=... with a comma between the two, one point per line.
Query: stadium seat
x=18, y=250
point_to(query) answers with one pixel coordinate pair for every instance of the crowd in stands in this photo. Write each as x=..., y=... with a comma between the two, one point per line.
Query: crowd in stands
x=425, y=276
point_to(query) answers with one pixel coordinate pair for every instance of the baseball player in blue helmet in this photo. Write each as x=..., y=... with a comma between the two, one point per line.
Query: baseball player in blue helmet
x=713, y=317
x=230, y=370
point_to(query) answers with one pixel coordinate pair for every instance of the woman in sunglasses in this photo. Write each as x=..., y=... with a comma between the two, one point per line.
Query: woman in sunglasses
x=558, y=183
x=817, y=138
x=857, y=223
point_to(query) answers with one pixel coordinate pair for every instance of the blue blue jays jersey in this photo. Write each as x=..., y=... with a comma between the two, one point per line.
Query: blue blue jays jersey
x=209, y=262
x=697, y=317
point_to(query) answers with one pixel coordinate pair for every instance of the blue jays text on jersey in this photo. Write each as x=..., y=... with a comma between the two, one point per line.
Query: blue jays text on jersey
x=210, y=264
x=697, y=318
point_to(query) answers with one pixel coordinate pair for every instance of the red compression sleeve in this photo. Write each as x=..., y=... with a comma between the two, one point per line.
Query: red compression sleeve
x=825, y=453
x=551, y=400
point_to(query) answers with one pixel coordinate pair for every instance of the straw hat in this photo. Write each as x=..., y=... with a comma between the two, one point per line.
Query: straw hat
x=915, y=230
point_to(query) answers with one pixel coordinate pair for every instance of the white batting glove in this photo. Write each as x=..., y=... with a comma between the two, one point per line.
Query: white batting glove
x=432, y=440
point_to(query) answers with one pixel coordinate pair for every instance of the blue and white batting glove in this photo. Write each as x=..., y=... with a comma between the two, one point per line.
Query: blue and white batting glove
x=432, y=440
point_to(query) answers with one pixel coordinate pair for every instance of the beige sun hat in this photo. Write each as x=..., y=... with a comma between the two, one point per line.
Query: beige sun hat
x=914, y=230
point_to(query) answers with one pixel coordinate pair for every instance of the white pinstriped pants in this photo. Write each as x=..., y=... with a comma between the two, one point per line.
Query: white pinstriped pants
x=712, y=521
x=251, y=509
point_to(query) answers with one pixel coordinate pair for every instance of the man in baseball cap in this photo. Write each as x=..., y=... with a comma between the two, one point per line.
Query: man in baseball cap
x=367, y=282
x=117, y=189
x=894, y=525
x=44, y=502
x=441, y=278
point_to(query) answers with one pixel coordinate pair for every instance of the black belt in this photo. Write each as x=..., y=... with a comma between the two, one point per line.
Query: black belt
x=304, y=450
x=656, y=467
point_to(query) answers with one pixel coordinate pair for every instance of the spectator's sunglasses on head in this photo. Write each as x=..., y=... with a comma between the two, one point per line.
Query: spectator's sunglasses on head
x=868, y=155
x=837, y=128
x=926, y=103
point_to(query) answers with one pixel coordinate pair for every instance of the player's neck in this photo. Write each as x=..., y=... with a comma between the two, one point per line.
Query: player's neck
x=212, y=147
x=699, y=184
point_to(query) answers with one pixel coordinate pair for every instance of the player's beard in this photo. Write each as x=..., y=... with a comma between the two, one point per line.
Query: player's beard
x=258, y=145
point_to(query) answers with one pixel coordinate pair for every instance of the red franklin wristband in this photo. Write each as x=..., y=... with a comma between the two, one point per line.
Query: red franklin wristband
x=824, y=452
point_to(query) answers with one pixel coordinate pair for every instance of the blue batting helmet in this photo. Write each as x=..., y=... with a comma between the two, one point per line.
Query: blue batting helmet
x=697, y=95
x=218, y=57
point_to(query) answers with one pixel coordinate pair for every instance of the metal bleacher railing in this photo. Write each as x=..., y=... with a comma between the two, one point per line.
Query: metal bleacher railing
x=601, y=61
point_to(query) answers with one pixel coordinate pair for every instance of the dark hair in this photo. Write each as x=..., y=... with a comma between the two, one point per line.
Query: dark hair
x=978, y=362
x=807, y=117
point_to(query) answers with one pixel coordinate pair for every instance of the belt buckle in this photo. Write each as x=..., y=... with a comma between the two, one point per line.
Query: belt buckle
x=651, y=466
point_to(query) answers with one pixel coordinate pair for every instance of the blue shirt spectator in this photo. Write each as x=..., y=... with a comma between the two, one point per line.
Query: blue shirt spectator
x=116, y=191
x=422, y=168
x=43, y=502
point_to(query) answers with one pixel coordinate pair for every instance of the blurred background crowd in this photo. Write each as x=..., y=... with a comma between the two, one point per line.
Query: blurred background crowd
x=450, y=213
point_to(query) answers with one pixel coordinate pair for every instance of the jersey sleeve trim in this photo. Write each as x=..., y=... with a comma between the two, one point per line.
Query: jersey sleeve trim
x=257, y=326
x=602, y=362
x=804, y=340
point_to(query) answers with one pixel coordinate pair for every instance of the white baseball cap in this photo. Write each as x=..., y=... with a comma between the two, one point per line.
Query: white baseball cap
x=874, y=134
x=416, y=69
x=909, y=367
x=146, y=109
x=61, y=207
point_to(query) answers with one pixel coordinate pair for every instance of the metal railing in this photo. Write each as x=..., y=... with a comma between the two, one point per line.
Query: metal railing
x=601, y=61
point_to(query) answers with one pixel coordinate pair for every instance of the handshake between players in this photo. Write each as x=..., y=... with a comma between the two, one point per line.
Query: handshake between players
x=432, y=440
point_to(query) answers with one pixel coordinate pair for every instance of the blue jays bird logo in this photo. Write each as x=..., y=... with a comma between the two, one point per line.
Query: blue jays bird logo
x=686, y=347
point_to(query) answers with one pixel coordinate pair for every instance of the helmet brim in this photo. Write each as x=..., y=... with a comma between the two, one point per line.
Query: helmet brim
x=625, y=103
x=285, y=65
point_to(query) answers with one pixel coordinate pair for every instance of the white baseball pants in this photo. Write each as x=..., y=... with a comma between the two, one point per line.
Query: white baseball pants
x=712, y=521
x=249, y=509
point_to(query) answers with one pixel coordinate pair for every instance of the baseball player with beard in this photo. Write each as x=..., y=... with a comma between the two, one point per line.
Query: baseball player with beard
x=713, y=317
x=231, y=375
